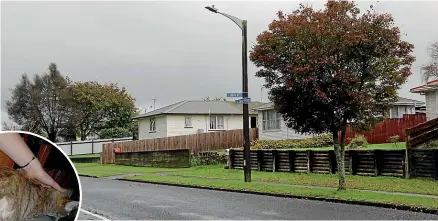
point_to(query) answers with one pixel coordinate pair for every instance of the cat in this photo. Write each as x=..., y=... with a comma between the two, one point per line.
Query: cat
x=22, y=199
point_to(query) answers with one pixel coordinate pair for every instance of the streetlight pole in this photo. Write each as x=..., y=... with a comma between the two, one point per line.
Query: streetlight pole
x=246, y=143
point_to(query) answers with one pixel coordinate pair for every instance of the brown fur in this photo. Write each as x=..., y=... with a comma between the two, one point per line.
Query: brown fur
x=27, y=198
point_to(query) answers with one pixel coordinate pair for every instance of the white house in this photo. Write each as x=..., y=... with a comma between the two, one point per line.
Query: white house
x=405, y=106
x=191, y=117
x=430, y=90
x=272, y=126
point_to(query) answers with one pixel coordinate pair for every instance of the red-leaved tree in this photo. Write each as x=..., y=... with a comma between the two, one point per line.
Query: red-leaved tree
x=328, y=68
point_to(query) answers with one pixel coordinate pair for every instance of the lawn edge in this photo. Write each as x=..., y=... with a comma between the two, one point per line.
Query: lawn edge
x=325, y=199
x=87, y=176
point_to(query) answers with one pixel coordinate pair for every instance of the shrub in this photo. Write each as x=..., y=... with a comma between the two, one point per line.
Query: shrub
x=357, y=142
x=433, y=144
x=394, y=139
x=317, y=141
x=208, y=158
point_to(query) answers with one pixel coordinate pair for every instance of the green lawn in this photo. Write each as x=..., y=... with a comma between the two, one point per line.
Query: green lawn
x=96, y=169
x=419, y=186
x=355, y=195
x=85, y=155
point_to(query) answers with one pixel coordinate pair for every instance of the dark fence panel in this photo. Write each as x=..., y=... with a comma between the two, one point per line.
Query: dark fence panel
x=158, y=158
x=423, y=163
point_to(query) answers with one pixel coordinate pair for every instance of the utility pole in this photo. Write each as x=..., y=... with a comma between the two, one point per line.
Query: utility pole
x=154, y=102
x=246, y=143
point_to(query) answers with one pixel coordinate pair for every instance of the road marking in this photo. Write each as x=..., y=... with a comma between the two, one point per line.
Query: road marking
x=95, y=215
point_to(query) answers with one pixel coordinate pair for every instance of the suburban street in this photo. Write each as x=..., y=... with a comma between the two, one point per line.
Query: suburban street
x=105, y=199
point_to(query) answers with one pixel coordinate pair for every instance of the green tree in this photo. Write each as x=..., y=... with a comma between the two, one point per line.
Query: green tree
x=120, y=132
x=115, y=132
x=41, y=105
x=328, y=68
x=430, y=70
x=100, y=106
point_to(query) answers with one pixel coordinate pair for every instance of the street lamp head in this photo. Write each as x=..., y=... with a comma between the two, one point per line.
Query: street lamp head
x=212, y=9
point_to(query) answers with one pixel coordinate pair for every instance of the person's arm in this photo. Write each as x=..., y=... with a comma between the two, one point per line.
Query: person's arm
x=14, y=146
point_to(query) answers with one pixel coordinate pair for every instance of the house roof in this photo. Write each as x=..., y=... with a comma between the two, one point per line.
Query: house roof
x=200, y=107
x=429, y=86
x=251, y=106
x=401, y=101
x=265, y=106
x=406, y=101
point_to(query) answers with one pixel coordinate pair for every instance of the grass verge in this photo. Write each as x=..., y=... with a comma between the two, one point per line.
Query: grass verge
x=392, y=184
x=98, y=170
x=350, y=195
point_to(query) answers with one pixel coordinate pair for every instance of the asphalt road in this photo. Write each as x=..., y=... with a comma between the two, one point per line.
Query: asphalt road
x=121, y=200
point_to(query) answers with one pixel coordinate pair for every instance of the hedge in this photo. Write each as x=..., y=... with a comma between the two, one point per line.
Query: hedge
x=317, y=141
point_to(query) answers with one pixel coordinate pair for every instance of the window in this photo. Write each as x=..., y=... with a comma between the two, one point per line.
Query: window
x=188, y=122
x=152, y=127
x=271, y=120
x=216, y=123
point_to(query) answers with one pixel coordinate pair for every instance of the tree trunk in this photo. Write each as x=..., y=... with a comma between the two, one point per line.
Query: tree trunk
x=340, y=158
x=83, y=136
x=52, y=136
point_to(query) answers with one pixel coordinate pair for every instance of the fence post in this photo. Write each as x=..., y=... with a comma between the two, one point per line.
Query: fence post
x=274, y=160
x=377, y=162
x=435, y=163
x=408, y=158
x=352, y=165
x=332, y=161
x=259, y=160
x=71, y=147
x=92, y=146
x=230, y=158
x=291, y=161
x=309, y=161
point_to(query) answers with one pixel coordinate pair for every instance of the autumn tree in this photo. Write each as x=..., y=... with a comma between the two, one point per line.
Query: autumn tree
x=100, y=106
x=328, y=68
x=430, y=70
x=41, y=105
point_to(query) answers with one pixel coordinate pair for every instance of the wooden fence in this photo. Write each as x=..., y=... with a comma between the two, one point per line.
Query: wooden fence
x=195, y=143
x=389, y=127
x=423, y=163
x=422, y=133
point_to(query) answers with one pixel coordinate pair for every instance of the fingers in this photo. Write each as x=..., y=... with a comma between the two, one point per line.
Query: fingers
x=51, y=182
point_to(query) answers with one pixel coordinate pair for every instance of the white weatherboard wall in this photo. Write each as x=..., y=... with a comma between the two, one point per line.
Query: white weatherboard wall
x=284, y=133
x=401, y=109
x=431, y=105
x=176, y=123
x=160, y=125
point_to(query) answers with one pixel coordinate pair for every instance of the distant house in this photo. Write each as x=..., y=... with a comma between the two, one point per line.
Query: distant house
x=191, y=117
x=405, y=106
x=430, y=90
x=272, y=126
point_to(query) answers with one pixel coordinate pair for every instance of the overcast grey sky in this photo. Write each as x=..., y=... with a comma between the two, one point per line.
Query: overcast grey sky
x=170, y=51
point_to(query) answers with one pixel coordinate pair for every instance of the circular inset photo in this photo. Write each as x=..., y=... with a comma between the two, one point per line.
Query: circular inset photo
x=37, y=180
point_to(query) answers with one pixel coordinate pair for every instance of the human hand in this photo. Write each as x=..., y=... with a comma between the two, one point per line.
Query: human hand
x=36, y=172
